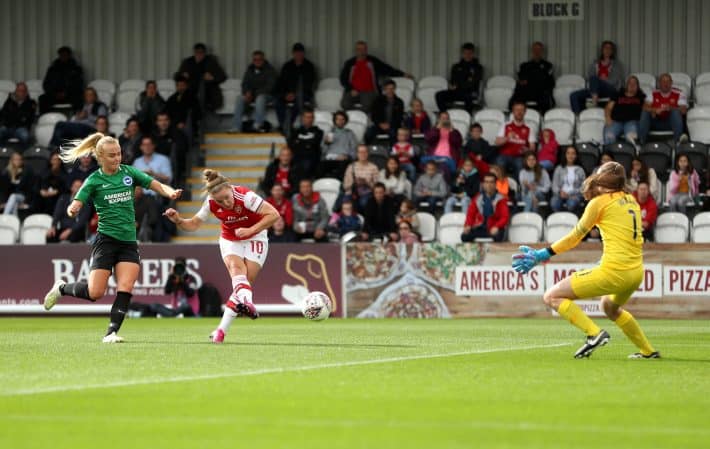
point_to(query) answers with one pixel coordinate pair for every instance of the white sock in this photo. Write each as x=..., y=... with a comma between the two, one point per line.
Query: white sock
x=227, y=318
x=242, y=290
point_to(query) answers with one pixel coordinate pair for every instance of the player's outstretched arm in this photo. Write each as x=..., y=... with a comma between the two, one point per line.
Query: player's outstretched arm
x=165, y=190
x=189, y=224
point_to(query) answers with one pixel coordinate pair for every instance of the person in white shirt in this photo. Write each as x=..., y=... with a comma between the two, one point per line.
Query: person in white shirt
x=154, y=164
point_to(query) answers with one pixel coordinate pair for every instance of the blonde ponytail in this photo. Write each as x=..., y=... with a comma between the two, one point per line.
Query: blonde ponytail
x=92, y=145
x=214, y=180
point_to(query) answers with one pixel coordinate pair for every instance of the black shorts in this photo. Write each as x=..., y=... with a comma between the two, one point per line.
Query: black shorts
x=106, y=252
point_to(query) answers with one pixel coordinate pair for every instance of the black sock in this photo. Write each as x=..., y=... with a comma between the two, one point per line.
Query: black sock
x=77, y=290
x=118, y=311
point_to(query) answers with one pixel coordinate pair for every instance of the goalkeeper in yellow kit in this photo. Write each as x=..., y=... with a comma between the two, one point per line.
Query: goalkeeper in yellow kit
x=618, y=217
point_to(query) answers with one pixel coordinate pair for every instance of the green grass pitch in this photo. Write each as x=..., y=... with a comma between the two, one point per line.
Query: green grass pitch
x=290, y=383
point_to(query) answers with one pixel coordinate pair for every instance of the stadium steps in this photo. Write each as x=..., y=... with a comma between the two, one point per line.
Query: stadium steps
x=240, y=157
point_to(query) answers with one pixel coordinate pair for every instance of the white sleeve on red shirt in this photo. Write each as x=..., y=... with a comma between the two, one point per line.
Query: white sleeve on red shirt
x=204, y=212
x=252, y=201
x=682, y=100
x=649, y=98
x=532, y=138
x=501, y=130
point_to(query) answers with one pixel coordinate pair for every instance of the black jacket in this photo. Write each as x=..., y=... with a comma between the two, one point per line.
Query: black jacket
x=379, y=218
x=289, y=79
x=379, y=111
x=470, y=185
x=381, y=69
x=479, y=147
x=306, y=145
x=64, y=77
x=540, y=75
x=14, y=115
x=294, y=177
x=259, y=81
x=62, y=221
x=180, y=106
x=186, y=283
x=467, y=75
x=196, y=72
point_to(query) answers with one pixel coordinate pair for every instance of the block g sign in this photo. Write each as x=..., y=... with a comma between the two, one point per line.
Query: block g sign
x=555, y=10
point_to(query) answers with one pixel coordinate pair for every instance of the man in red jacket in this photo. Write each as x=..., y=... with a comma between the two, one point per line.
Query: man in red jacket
x=649, y=209
x=488, y=213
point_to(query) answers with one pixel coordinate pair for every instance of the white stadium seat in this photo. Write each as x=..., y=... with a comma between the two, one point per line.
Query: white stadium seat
x=701, y=228
x=117, y=122
x=329, y=99
x=699, y=124
x=438, y=82
x=329, y=189
x=126, y=101
x=355, y=116
x=231, y=89
x=427, y=88
x=671, y=227
x=34, y=87
x=323, y=120
x=330, y=83
x=532, y=119
x=590, y=126
x=647, y=82
x=525, y=227
x=404, y=83
x=505, y=81
x=490, y=120
x=702, y=89
x=683, y=82
x=558, y=225
x=9, y=229
x=561, y=121
x=6, y=86
x=105, y=89
x=45, y=127
x=498, y=91
x=564, y=86
x=461, y=120
x=451, y=227
x=34, y=229
x=166, y=87
x=427, y=226
x=138, y=85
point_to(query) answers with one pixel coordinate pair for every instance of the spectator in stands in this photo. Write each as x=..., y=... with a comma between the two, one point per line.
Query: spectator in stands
x=547, y=154
x=360, y=178
x=17, y=115
x=282, y=171
x=444, y=144
x=204, y=74
x=395, y=181
x=338, y=147
x=17, y=185
x=81, y=170
x=488, y=214
x=640, y=172
x=147, y=215
x=257, y=88
x=154, y=164
x=63, y=83
x=649, y=209
x=476, y=147
x=464, y=187
x=605, y=76
x=408, y=214
x=102, y=126
x=536, y=79
x=683, y=184
x=130, y=141
x=406, y=234
x=294, y=87
x=664, y=110
x=567, y=183
x=379, y=219
x=359, y=77
x=305, y=142
x=279, y=233
x=430, y=187
x=65, y=228
x=310, y=213
x=623, y=112
x=603, y=159
x=82, y=123
x=53, y=184
x=464, y=84
x=417, y=120
x=182, y=106
x=148, y=104
x=514, y=137
x=172, y=143
x=403, y=150
x=534, y=182
x=347, y=220
x=387, y=114
x=282, y=204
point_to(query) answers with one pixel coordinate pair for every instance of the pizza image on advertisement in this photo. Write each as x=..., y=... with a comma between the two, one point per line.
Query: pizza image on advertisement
x=437, y=263
x=409, y=297
x=371, y=265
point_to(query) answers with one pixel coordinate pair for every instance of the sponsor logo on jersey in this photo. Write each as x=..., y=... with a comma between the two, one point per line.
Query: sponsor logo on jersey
x=127, y=180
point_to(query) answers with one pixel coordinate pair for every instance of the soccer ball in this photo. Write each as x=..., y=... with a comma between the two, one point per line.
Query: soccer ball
x=316, y=306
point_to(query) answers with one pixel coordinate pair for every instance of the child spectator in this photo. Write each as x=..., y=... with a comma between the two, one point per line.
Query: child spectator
x=534, y=182
x=464, y=187
x=279, y=233
x=683, y=184
x=282, y=204
x=567, y=183
x=640, y=172
x=547, y=154
x=395, y=180
x=417, y=120
x=477, y=147
x=430, y=187
x=502, y=184
x=404, y=151
x=649, y=209
x=345, y=221
x=408, y=214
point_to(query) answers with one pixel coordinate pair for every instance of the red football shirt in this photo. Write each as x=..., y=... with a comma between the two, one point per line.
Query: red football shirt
x=241, y=215
x=518, y=142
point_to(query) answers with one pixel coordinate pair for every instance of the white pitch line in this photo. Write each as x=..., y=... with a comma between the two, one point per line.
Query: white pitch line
x=277, y=370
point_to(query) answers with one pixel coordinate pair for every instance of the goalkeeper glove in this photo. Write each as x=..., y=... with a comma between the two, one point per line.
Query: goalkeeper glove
x=527, y=258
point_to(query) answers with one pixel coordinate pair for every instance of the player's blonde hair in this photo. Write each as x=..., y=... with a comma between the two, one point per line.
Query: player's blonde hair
x=92, y=145
x=611, y=177
x=214, y=181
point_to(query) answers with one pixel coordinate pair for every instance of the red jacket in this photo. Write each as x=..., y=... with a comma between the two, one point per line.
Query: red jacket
x=649, y=211
x=285, y=209
x=499, y=219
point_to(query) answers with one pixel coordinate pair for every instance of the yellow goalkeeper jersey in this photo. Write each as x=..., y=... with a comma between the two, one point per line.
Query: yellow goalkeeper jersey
x=618, y=217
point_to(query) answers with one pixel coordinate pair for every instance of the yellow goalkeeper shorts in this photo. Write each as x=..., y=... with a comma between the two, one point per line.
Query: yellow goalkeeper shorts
x=597, y=281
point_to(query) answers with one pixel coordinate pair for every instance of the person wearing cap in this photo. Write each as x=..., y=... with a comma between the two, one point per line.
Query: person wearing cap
x=204, y=74
x=466, y=76
x=63, y=83
x=294, y=87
